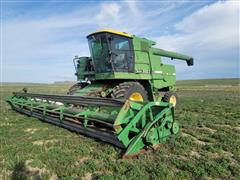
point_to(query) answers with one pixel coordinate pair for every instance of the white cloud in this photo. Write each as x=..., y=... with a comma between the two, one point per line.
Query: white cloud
x=211, y=35
x=108, y=12
x=40, y=49
x=217, y=23
x=132, y=5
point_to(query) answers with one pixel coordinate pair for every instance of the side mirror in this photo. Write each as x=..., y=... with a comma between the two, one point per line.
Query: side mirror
x=76, y=58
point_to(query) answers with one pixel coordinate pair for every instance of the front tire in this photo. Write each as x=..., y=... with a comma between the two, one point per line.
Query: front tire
x=133, y=91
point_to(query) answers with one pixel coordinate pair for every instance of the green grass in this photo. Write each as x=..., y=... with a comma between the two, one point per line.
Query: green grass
x=208, y=145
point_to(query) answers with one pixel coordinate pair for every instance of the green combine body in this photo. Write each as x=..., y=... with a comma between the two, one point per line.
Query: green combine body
x=124, y=95
x=118, y=57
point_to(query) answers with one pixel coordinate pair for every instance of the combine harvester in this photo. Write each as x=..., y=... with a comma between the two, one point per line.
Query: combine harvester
x=124, y=95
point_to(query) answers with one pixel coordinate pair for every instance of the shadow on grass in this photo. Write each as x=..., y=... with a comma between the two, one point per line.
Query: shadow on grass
x=20, y=172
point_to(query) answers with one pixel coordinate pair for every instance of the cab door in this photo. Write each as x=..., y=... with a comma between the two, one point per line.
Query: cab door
x=122, y=54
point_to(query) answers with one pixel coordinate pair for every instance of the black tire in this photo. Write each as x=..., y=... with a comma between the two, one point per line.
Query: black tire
x=75, y=87
x=126, y=89
x=167, y=96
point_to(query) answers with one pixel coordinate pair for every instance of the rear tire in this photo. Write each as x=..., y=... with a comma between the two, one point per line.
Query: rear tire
x=171, y=97
x=130, y=90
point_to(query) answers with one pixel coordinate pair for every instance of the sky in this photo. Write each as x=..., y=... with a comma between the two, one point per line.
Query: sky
x=40, y=38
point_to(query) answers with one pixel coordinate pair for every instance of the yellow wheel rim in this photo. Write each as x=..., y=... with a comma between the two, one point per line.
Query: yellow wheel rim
x=173, y=100
x=136, y=97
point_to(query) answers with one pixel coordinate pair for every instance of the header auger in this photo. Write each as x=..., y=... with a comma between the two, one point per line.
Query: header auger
x=124, y=95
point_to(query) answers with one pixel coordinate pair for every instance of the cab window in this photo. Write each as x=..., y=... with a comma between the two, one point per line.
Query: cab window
x=122, y=54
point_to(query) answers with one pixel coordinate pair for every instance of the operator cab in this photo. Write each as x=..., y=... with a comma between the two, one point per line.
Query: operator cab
x=111, y=51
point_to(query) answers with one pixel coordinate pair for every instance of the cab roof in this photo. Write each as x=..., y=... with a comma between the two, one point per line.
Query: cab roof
x=111, y=31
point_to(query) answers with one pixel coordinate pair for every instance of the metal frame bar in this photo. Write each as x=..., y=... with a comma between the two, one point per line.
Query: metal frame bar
x=92, y=132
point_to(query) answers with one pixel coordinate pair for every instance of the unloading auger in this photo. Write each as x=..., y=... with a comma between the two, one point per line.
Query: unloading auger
x=125, y=95
x=130, y=125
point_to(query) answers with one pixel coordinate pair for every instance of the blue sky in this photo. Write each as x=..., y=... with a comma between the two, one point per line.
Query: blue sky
x=40, y=38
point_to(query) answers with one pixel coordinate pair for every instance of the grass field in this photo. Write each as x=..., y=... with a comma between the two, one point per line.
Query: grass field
x=207, y=147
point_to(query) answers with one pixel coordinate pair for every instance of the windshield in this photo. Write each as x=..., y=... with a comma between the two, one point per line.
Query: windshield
x=100, y=53
x=122, y=54
x=111, y=53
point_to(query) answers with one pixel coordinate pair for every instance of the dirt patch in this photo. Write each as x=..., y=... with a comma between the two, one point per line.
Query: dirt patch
x=87, y=176
x=195, y=153
x=214, y=155
x=5, y=174
x=5, y=124
x=24, y=170
x=207, y=129
x=175, y=170
x=195, y=139
x=81, y=160
x=34, y=170
x=181, y=157
x=217, y=86
x=31, y=130
x=166, y=156
x=39, y=171
x=43, y=142
x=2, y=160
x=237, y=128
x=184, y=158
x=226, y=154
x=200, y=142
x=228, y=126
x=53, y=177
x=223, y=126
